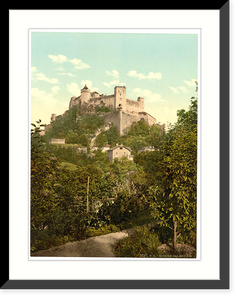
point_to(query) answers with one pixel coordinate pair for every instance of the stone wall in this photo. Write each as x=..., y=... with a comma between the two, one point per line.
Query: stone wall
x=108, y=100
x=112, y=117
x=132, y=105
x=57, y=141
x=127, y=119
x=148, y=118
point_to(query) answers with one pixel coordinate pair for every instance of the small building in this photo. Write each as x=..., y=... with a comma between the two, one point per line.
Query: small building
x=105, y=148
x=82, y=149
x=57, y=141
x=118, y=152
x=148, y=148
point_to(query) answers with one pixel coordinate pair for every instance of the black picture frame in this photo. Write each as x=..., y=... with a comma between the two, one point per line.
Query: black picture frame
x=224, y=281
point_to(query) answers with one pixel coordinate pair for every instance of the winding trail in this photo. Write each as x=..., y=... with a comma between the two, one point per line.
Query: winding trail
x=98, y=246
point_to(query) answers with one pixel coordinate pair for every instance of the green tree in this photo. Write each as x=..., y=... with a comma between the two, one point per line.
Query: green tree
x=156, y=136
x=150, y=161
x=101, y=160
x=174, y=201
x=112, y=135
x=140, y=128
x=62, y=124
x=101, y=140
x=44, y=178
x=120, y=168
x=72, y=137
x=58, y=206
x=188, y=119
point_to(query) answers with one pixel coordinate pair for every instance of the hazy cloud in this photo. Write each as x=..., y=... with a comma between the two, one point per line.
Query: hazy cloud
x=67, y=74
x=35, y=75
x=78, y=63
x=55, y=89
x=151, y=75
x=75, y=89
x=58, y=58
x=114, y=73
x=42, y=103
x=191, y=82
x=173, y=89
x=183, y=89
x=89, y=85
x=148, y=95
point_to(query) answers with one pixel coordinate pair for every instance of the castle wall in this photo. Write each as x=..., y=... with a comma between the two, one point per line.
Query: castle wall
x=148, y=118
x=112, y=117
x=128, y=119
x=109, y=101
x=74, y=102
x=132, y=105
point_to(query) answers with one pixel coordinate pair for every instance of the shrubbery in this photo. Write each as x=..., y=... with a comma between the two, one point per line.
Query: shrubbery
x=122, y=209
x=142, y=243
x=159, y=184
x=146, y=243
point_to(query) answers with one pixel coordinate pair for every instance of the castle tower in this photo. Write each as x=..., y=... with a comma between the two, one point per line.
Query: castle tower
x=120, y=97
x=85, y=94
x=141, y=103
x=120, y=120
x=53, y=117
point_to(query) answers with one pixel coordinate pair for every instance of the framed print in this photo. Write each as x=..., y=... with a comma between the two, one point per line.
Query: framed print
x=119, y=172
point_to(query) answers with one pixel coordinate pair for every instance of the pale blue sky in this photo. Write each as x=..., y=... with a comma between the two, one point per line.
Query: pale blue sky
x=162, y=68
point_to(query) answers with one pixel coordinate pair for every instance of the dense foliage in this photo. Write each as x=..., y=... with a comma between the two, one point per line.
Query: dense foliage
x=75, y=195
x=173, y=193
x=59, y=196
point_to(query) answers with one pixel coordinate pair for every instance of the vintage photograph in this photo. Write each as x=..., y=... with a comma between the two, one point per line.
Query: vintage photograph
x=114, y=144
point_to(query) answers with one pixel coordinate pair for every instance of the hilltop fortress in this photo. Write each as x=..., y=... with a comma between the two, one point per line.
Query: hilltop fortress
x=123, y=112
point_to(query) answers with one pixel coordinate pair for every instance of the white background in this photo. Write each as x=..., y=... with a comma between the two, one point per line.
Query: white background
x=20, y=266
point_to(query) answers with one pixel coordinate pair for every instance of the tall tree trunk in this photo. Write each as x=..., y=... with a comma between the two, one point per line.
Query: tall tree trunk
x=175, y=234
x=87, y=195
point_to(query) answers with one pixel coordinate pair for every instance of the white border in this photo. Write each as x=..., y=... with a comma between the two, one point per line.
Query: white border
x=20, y=267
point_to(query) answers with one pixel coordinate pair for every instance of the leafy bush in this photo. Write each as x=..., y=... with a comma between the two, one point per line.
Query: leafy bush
x=125, y=207
x=45, y=239
x=140, y=128
x=145, y=243
x=102, y=109
x=142, y=243
x=91, y=231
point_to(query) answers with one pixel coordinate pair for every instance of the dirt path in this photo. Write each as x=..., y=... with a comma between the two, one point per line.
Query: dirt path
x=99, y=246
